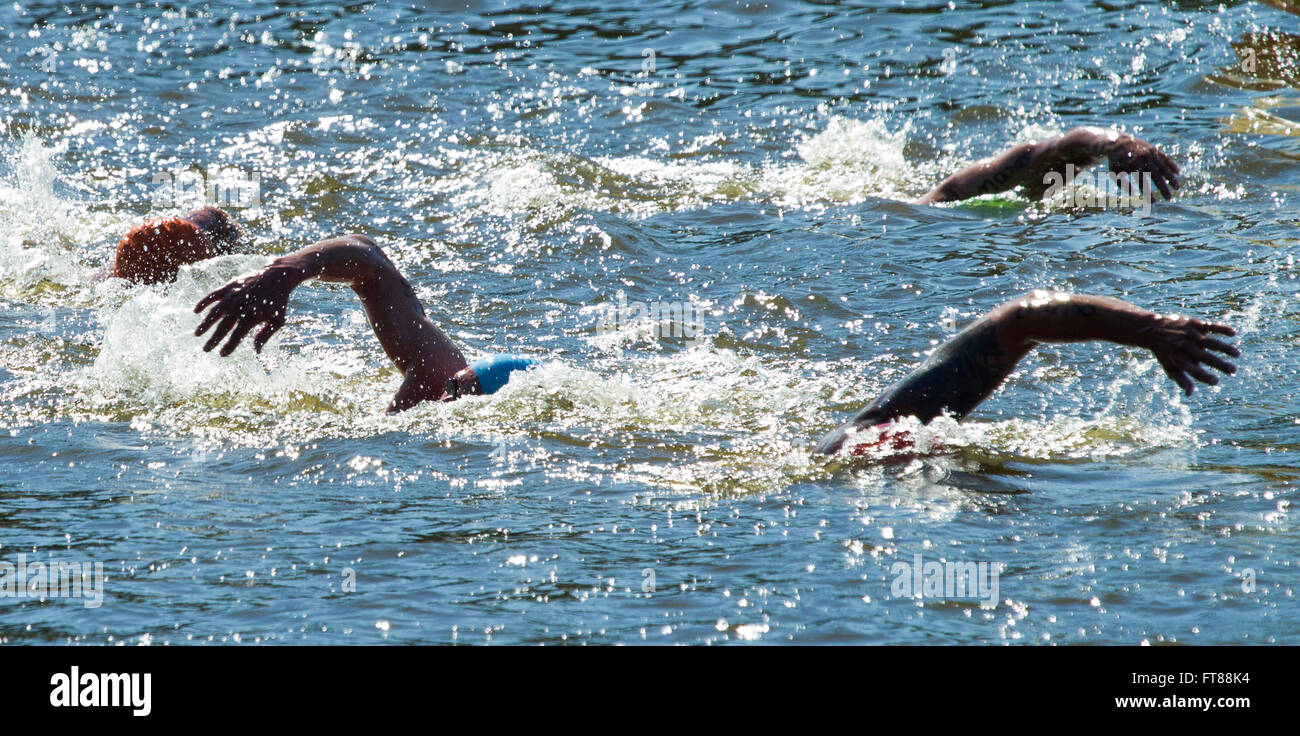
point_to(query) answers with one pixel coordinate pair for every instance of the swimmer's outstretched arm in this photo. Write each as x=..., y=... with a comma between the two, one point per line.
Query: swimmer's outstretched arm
x=1028, y=165
x=423, y=353
x=964, y=371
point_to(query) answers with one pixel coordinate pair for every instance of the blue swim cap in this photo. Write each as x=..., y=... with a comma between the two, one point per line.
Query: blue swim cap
x=494, y=370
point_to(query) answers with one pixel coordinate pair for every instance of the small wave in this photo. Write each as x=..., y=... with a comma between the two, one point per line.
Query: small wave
x=150, y=354
x=43, y=231
x=846, y=162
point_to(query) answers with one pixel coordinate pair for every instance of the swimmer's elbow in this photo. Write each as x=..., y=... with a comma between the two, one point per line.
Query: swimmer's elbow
x=364, y=241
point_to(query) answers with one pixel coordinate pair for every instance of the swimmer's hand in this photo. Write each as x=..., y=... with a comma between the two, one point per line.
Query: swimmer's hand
x=1183, y=344
x=1134, y=157
x=421, y=351
x=1033, y=167
x=243, y=304
x=965, y=370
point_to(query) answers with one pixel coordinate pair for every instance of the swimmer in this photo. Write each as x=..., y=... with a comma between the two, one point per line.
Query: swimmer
x=1028, y=165
x=154, y=251
x=964, y=371
x=433, y=368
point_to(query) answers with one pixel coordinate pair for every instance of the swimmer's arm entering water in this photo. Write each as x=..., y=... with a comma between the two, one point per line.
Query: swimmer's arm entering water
x=423, y=353
x=1030, y=165
x=967, y=369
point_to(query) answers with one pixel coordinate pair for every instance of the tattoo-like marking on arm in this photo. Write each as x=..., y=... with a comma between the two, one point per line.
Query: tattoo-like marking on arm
x=996, y=182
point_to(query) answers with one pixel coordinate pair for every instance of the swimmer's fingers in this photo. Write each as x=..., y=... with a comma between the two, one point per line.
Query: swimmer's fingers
x=1214, y=327
x=1164, y=172
x=1212, y=343
x=222, y=298
x=214, y=296
x=221, y=310
x=1216, y=362
x=1133, y=183
x=1189, y=357
x=1178, y=367
x=1143, y=181
x=1150, y=171
x=1203, y=375
x=1176, y=374
x=1168, y=170
x=1159, y=179
x=218, y=334
x=216, y=314
x=237, y=336
x=272, y=326
x=1138, y=160
x=1205, y=343
x=1169, y=163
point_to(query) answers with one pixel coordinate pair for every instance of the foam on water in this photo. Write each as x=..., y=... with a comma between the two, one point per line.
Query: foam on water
x=846, y=162
x=43, y=230
x=150, y=354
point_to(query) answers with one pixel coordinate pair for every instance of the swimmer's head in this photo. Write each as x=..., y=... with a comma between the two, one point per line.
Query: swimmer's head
x=486, y=375
x=154, y=252
x=219, y=226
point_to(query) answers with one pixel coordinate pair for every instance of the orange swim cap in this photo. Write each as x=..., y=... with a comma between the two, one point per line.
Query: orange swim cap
x=155, y=251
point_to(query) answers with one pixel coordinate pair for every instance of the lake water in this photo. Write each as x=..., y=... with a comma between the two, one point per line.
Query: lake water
x=556, y=180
